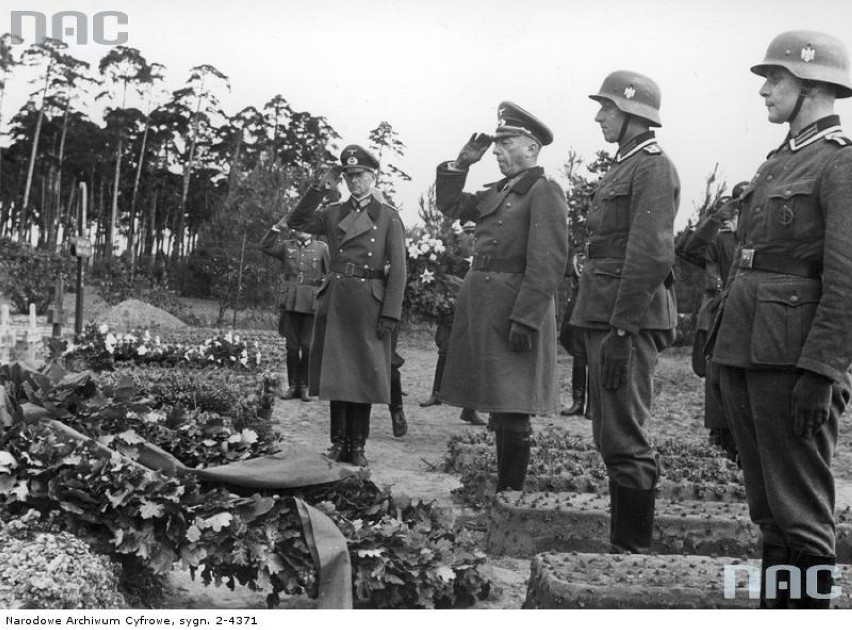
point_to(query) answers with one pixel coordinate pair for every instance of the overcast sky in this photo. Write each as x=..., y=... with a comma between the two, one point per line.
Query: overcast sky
x=436, y=69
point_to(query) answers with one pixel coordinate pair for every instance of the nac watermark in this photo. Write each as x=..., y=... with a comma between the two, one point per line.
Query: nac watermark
x=794, y=581
x=71, y=27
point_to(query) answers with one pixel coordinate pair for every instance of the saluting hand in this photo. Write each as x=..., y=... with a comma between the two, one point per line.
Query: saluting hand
x=615, y=358
x=330, y=178
x=385, y=327
x=520, y=337
x=811, y=403
x=473, y=150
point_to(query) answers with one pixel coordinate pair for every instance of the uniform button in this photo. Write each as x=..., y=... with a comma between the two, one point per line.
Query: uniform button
x=487, y=278
x=363, y=280
x=369, y=253
x=375, y=228
x=499, y=223
x=769, y=178
x=372, y=240
x=788, y=192
x=366, y=266
x=509, y=204
x=337, y=276
x=339, y=251
x=494, y=241
x=618, y=270
x=758, y=209
x=794, y=298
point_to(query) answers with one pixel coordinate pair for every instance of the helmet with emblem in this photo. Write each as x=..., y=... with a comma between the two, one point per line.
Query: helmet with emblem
x=810, y=56
x=632, y=93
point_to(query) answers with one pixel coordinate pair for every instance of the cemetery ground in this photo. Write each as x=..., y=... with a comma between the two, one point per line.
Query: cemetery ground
x=416, y=465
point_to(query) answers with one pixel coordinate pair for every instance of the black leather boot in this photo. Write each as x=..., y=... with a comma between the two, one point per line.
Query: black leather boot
x=632, y=524
x=359, y=431
x=292, y=374
x=304, y=373
x=471, y=416
x=398, y=423
x=339, y=450
x=578, y=389
x=821, y=569
x=772, y=556
x=436, y=383
x=513, y=460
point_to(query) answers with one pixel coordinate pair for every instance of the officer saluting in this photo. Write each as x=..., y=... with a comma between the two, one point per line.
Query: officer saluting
x=359, y=304
x=502, y=350
x=784, y=340
x=305, y=265
x=625, y=304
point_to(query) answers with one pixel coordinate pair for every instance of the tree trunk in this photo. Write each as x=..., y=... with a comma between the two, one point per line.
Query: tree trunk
x=36, y=135
x=131, y=244
x=113, y=215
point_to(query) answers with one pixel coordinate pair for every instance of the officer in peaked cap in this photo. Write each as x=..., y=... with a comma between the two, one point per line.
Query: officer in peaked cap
x=625, y=303
x=783, y=340
x=360, y=302
x=502, y=350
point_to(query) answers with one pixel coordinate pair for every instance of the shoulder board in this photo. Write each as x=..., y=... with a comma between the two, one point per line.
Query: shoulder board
x=653, y=149
x=839, y=138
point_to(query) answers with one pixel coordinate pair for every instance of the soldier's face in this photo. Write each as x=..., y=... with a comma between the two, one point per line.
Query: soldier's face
x=611, y=119
x=513, y=154
x=359, y=182
x=780, y=91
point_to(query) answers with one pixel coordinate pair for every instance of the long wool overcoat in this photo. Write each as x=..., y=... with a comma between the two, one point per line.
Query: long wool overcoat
x=521, y=224
x=348, y=360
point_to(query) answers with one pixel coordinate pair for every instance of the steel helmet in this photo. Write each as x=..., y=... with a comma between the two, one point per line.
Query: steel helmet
x=810, y=56
x=632, y=93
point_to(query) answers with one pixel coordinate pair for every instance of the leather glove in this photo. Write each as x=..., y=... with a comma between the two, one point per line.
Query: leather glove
x=727, y=210
x=330, y=178
x=811, y=403
x=520, y=337
x=385, y=327
x=473, y=151
x=615, y=357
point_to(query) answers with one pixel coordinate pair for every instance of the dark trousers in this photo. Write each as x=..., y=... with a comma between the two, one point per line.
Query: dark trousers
x=297, y=329
x=789, y=484
x=619, y=416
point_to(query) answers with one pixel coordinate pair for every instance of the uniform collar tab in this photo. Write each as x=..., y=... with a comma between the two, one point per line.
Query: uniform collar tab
x=815, y=131
x=636, y=144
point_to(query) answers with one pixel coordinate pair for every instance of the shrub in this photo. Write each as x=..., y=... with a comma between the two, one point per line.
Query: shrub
x=53, y=570
x=28, y=275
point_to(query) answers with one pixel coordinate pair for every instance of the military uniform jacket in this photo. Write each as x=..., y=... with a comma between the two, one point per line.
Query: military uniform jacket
x=711, y=247
x=521, y=224
x=305, y=266
x=798, y=206
x=348, y=360
x=632, y=218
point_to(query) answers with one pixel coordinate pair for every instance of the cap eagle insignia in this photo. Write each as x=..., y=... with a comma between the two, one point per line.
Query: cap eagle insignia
x=808, y=53
x=629, y=92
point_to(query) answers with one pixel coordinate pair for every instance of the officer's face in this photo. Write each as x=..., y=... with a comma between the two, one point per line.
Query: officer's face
x=359, y=182
x=514, y=154
x=780, y=92
x=611, y=119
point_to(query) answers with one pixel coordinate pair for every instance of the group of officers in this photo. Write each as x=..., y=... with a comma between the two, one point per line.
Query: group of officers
x=778, y=341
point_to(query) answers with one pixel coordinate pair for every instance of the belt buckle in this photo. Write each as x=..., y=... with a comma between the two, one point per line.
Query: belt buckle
x=747, y=258
x=349, y=269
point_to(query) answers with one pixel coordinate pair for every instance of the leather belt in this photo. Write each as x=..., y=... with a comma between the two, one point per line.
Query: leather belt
x=778, y=263
x=484, y=262
x=603, y=250
x=351, y=269
x=301, y=279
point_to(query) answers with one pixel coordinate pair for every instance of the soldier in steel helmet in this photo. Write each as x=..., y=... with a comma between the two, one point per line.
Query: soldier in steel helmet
x=626, y=305
x=783, y=340
x=359, y=303
x=502, y=350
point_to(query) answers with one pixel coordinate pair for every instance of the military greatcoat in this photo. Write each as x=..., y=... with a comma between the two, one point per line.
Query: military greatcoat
x=520, y=253
x=348, y=360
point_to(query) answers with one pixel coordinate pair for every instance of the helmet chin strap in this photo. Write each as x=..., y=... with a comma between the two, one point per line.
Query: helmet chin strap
x=623, y=131
x=799, y=101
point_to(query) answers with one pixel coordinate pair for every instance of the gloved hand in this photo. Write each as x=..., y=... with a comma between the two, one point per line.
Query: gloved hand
x=520, y=337
x=615, y=357
x=811, y=403
x=727, y=210
x=473, y=151
x=385, y=327
x=330, y=178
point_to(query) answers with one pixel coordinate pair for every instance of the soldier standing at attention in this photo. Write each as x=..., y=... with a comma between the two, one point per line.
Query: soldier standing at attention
x=359, y=304
x=625, y=304
x=784, y=340
x=305, y=265
x=502, y=350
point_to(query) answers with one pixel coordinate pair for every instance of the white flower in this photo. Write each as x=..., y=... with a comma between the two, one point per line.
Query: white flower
x=433, y=257
x=236, y=339
x=427, y=276
x=232, y=357
x=244, y=361
x=129, y=337
x=146, y=336
x=257, y=357
x=228, y=337
x=142, y=350
x=103, y=329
